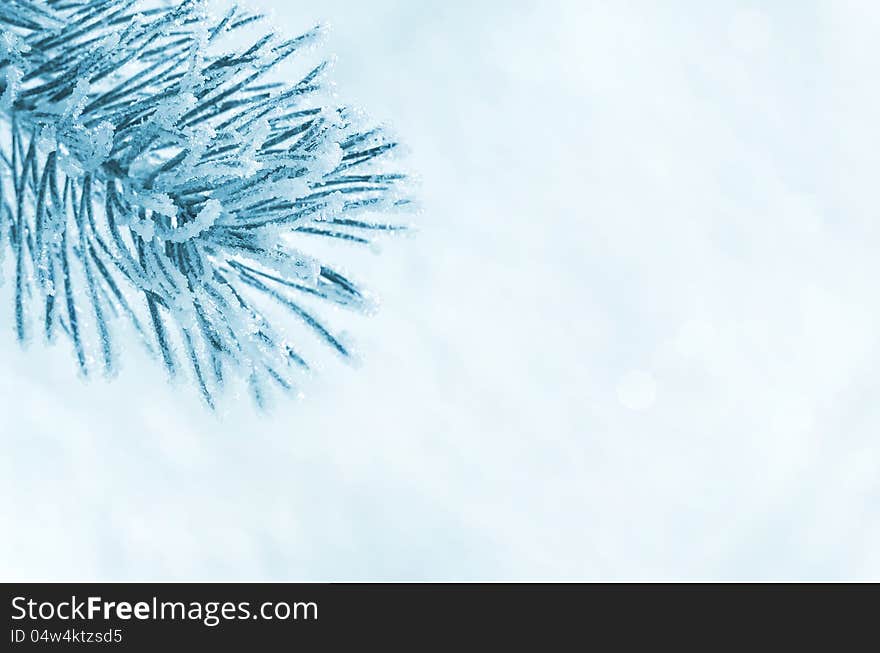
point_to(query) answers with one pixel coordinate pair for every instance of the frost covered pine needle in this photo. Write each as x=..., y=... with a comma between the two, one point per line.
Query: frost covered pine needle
x=148, y=175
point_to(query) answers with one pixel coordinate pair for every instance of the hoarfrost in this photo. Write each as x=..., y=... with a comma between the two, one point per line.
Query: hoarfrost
x=160, y=178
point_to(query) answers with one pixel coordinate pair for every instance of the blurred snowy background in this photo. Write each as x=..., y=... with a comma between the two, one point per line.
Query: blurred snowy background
x=636, y=338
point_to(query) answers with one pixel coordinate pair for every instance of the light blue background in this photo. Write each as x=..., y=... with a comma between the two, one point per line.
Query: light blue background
x=636, y=337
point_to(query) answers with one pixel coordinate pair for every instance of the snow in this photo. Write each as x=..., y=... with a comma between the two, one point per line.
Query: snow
x=613, y=192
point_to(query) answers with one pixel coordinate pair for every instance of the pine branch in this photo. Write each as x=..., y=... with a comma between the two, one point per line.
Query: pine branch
x=151, y=177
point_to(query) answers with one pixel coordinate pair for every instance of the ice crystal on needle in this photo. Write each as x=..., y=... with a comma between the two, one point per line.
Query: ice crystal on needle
x=147, y=174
